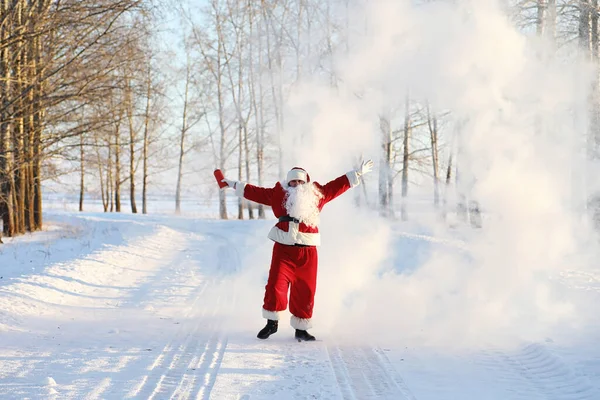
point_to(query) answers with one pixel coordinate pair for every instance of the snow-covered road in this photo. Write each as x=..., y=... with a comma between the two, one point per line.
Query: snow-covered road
x=117, y=307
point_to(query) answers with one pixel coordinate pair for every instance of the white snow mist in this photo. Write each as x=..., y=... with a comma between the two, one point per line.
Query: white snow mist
x=518, y=121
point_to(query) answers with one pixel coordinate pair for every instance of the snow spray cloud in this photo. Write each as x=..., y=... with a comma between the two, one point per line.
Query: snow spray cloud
x=518, y=116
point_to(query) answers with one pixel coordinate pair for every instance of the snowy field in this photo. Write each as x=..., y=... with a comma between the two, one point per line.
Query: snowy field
x=105, y=306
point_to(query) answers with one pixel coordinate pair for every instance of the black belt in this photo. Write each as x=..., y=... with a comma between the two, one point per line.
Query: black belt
x=287, y=218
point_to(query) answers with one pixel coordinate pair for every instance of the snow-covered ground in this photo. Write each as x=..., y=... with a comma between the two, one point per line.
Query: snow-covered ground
x=108, y=306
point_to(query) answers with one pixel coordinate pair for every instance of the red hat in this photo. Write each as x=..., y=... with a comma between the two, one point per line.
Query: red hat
x=298, y=173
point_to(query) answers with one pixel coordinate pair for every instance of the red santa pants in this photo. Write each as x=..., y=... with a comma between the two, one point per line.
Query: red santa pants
x=294, y=266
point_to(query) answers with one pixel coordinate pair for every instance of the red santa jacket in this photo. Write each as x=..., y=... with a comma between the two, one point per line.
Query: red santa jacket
x=290, y=233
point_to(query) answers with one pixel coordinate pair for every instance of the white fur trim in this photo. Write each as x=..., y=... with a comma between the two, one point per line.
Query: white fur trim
x=353, y=178
x=300, y=323
x=274, y=315
x=239, y=189
x=293, y=236
x=297, y=174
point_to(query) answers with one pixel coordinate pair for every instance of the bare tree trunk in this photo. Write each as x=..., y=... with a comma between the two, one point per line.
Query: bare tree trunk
x=109, y=177
x=20, y=174
x=385, y=167
x=449, y=170
x=584, y=27
x=328, y=25
x=595, y=101
x=276, y=90
x=221, y=59
x=184, y=129
x=244, y=153
x=405, y=159
x=247, y=162
x=258, y=109
x=20, y=171
x=253, y=108
x=461, y=202
x=550, y=24
x=433, y=131
x=540, y=20
x=146, y=141
x=6, y=165
x=260, y=149
x=240, y=162
x=237, y=99
x=132, y=139
x=594, y=30
x=448, y=184
x=101, y=174
x=540, y=31
x=132, y=175
x=37, y=173
x=81, y=172
x=297, y=45
x=588, y=42
x=222, y=198
x=117, y=177
x=30, y=190
x=39, y=114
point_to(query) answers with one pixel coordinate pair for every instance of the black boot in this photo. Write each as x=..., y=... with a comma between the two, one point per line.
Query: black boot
x=268, y=330
x=303, y=335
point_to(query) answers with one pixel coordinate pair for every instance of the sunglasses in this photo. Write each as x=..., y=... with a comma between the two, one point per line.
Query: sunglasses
x=295, y=182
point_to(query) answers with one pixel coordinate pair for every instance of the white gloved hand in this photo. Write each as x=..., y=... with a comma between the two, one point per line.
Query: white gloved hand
x=229, y=183
x=365, y=167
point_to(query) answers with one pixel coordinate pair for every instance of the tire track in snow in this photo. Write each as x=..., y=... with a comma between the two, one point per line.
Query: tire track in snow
x=168, y=371
x=366, y=373
x=550, y=375
x=179, y=378
x=154, y=270
x=136, y=262
x=192, y=363
x=174, y=270
x=189, y=362
x=394, y=374
x=211, y=366
x=200, y=366
x=169, y=354
x=193, y=355
x=532, y=372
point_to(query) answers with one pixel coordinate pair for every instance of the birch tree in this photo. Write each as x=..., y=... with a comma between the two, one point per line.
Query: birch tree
x=257, y=94
x=385, y=167
x=191, y=115
x=432, y=123
x=215, y=59
x=405, y=158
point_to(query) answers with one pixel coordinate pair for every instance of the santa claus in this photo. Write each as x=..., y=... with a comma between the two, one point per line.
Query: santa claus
x=297, y=203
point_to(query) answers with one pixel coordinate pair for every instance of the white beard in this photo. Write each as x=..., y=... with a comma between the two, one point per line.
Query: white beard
x=302, y=203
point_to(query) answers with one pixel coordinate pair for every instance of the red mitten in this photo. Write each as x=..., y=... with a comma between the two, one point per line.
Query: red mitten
x=220, y=178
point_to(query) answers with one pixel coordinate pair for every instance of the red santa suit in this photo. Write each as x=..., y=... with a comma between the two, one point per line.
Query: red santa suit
x=294, y=261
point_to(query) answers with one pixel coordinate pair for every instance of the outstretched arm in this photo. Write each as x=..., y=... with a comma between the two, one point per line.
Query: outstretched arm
x=336, y=187
x=253, y=193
